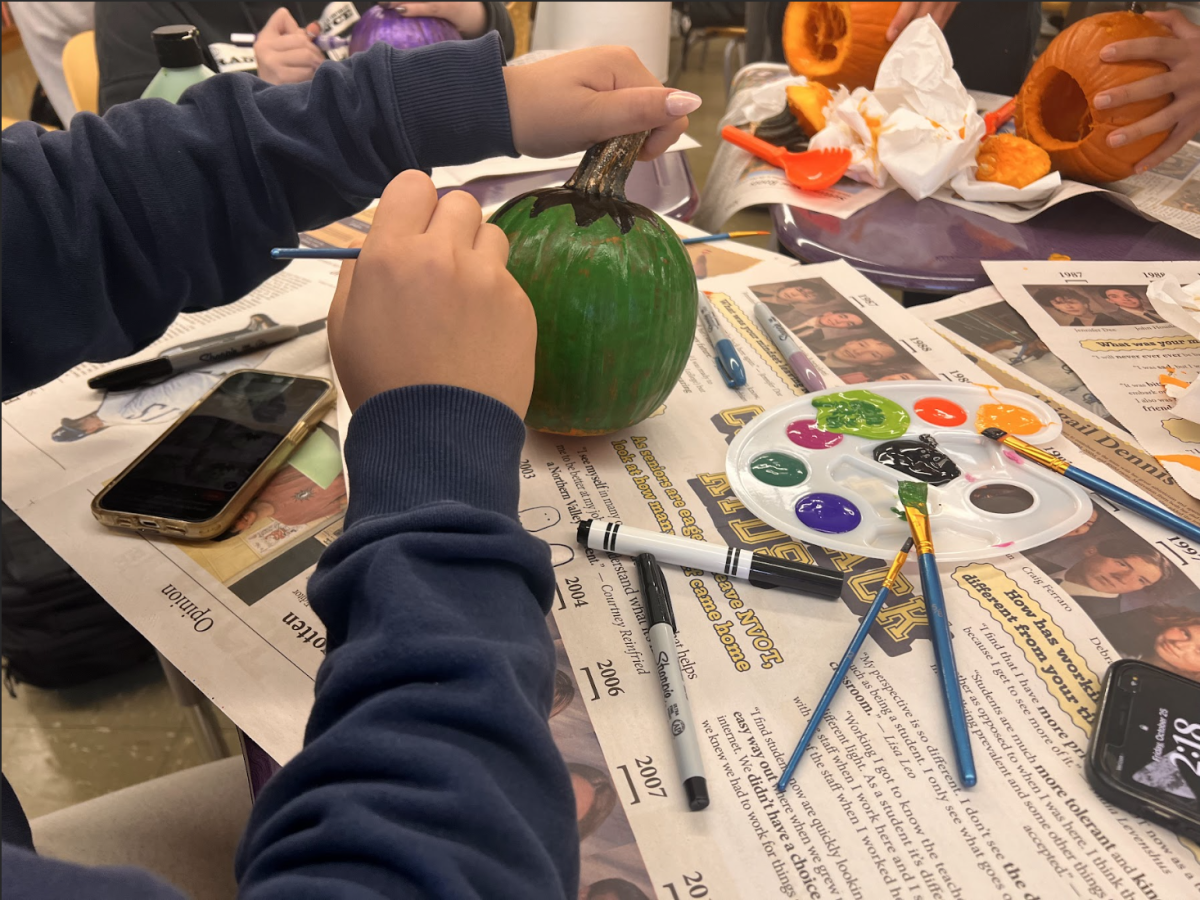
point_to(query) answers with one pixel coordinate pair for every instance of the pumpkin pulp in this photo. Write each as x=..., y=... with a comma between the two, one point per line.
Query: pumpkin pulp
x=614, y=293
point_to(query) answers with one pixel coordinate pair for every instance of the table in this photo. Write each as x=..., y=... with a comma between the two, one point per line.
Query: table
x=932, y=246
x=664, y=184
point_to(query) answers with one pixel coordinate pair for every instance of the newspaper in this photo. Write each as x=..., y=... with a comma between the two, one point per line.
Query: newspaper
x=1170, y=192
x=875, y=810
x=1096, y=317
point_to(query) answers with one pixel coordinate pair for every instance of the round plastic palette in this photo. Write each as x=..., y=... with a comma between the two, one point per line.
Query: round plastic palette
x=825, y=469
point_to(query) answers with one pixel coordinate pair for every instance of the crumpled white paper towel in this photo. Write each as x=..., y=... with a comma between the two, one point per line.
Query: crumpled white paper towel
x=931, y=127
x=1180, y=306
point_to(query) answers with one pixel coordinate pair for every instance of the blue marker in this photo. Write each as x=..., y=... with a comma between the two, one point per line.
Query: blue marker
x=727, y=358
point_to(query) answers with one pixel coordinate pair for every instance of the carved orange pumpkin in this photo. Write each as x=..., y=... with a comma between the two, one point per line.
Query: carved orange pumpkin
x=1055, y=106
x=807, y=103
x=837, y=43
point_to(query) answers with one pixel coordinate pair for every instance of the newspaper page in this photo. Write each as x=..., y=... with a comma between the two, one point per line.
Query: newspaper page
x=1096, y=317
x=876, y=809
x=993, y=335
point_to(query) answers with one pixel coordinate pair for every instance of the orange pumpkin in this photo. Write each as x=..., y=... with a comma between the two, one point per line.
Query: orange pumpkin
x=807, y=103
x=1055, y=106
x=837, y=43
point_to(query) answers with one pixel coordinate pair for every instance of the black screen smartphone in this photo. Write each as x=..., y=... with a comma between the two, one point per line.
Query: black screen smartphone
x=1144, y=754
x=195, y=480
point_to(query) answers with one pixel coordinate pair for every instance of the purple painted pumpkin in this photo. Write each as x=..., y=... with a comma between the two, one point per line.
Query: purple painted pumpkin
x=402, y=32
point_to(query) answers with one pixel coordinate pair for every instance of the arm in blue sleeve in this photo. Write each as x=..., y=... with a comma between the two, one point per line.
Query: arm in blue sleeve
x=428, y=768
x=113, y=228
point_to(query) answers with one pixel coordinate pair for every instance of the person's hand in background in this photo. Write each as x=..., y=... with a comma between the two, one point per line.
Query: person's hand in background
x=941, y=13
x=285, y=52
x=468, y=18
x=430, y=301
x=1181, y=117
x=574, y=100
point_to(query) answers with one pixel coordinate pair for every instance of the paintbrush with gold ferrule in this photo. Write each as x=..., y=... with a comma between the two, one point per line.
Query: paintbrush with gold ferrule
x=913, y=495
x=889, y=581
x=1152, y=511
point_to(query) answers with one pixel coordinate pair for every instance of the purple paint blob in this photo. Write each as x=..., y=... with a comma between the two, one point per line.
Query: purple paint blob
x=806, y=433
x=828, y=513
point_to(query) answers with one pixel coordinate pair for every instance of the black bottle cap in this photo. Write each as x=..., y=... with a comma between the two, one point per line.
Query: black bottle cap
x=178, y=46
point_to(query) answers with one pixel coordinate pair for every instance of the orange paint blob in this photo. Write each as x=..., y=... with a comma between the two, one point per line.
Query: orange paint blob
x=1013, y=419
x=1183, y=459
x=940, y=411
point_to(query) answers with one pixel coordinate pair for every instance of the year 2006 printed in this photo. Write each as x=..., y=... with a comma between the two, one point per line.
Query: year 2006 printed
x=692, y=886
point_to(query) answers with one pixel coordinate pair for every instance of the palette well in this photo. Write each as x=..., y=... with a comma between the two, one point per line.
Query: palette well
x=825, y=469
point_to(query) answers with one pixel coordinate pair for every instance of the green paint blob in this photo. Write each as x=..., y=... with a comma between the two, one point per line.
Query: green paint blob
x=862, y=413
x=779, y=470
x=914, y=494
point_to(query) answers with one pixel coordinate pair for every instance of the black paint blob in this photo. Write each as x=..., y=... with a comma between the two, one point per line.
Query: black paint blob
x=588, y=208
x=1004, y=499
x=918, y=459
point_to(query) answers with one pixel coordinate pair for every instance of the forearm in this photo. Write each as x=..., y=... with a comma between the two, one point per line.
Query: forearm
x=428, y=769
x=113, y=228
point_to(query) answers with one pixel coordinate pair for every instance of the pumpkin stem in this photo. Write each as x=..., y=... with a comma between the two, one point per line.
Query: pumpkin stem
x=605, y=166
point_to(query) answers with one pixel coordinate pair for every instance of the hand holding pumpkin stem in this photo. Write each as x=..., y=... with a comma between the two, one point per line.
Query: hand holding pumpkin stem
x=574, y=100
x=1181, y=117
x=941, y=13
x=430, y=301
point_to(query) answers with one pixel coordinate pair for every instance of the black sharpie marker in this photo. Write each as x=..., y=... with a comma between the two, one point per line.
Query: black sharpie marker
x=760, y=569
x=670, y=679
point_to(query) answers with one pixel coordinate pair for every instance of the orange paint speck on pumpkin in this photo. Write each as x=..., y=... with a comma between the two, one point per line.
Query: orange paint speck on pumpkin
x=1056, y=106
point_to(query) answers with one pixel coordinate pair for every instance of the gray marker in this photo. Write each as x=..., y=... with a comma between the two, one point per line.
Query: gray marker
x=670, y=678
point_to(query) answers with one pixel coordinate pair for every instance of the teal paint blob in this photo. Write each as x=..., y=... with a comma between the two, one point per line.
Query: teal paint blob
x=779, y=470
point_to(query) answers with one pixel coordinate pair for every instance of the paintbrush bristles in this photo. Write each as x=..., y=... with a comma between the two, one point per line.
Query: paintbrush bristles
x=995, y=434
x=914, y=494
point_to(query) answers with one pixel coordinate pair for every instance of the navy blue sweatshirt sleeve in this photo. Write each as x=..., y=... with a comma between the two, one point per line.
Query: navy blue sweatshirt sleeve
x=113, y=228
x=428, y=769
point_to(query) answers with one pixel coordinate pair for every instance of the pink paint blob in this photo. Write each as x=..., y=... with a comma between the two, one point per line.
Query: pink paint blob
x=1005, y=544
x=1014, y=456
x=805, y=433
x=970, y=478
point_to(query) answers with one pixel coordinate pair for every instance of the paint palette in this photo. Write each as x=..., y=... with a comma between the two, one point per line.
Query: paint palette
x=825, y=469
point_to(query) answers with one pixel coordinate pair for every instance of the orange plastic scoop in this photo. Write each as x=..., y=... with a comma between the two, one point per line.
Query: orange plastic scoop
x=997, y=117
x=812, y=170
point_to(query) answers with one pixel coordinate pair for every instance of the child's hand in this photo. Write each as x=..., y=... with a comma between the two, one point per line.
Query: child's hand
x=430, y=301
x=941, y=13
x=285, y=52
x=468, y=18
x=1181, y=117
x=574, y=100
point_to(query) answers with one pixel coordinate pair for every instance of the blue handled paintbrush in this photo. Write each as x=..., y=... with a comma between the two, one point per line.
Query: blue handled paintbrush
x=913, y=495
x=1151, y=511
x=851, y=652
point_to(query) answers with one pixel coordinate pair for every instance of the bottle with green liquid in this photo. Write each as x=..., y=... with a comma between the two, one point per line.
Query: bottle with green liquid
x=182, y=61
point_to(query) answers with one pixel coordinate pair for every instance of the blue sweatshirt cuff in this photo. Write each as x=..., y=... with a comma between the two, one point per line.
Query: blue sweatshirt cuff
x=433, y=443
x=456, y=91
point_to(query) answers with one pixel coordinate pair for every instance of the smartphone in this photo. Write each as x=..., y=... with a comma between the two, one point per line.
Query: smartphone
x=1144, y=755
x=195, y=480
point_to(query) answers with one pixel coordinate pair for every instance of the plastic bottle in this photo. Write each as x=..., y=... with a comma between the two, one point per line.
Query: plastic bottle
x=182, y=61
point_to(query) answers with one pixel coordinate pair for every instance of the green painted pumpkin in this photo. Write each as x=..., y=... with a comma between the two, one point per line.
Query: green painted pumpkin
x=614, y=293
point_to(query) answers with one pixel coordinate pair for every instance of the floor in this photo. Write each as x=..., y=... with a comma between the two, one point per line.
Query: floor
x=62, y=747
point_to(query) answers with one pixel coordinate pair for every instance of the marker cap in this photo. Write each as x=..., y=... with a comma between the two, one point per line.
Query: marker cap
x=654, y=590
x=768, y=572
x=696, y=789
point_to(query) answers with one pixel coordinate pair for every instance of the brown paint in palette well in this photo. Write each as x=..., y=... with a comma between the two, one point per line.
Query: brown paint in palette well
x=1002, y=498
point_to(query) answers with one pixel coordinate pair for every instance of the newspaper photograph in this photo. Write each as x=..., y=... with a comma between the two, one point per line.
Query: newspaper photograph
x=1096, y=316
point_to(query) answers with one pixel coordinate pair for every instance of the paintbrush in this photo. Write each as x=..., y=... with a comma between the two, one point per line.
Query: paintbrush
x=913, y=496
x=851, y=652
x=1151, y=511
x=352, y=252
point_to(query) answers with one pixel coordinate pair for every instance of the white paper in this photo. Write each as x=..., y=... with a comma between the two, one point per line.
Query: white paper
x=453, y=176
x=1180, y=305
x=968, y=187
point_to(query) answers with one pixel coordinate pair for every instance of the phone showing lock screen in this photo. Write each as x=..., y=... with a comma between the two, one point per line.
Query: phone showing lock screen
x=196, y=479
x=1144, y=754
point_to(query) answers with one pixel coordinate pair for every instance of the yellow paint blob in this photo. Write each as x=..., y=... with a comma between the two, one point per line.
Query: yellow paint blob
x=1013, y=419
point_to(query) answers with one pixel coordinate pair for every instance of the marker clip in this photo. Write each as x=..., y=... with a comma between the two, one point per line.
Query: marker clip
x=730, y=364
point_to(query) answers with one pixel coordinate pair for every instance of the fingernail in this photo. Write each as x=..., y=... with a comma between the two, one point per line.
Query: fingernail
x=1117, y=140
x=1102, y=101
x=680, y=103
x=1108, y=52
